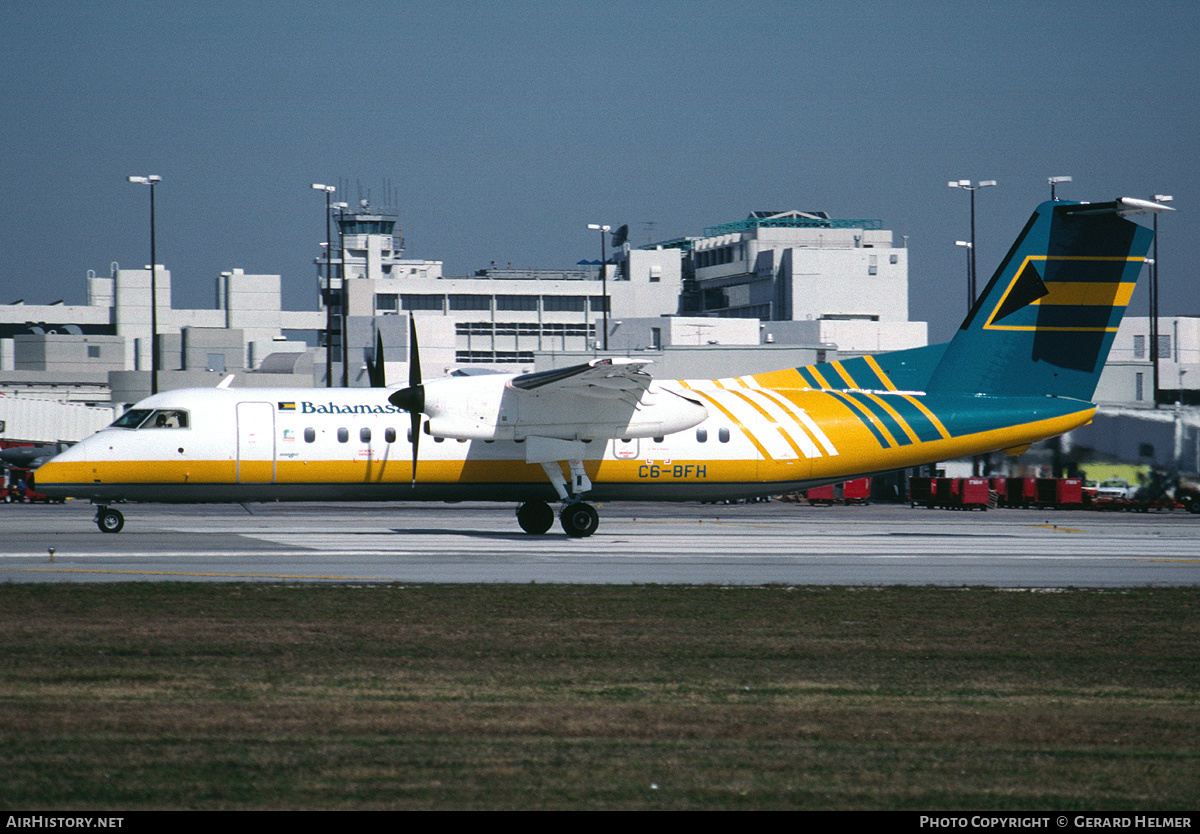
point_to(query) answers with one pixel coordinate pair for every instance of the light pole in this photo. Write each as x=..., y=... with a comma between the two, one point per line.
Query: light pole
x=966, y=184
x=969, y=247
x=1158, y=198
x=345, y=300
x=151, y=181
x=603, y=274
x=328, y=189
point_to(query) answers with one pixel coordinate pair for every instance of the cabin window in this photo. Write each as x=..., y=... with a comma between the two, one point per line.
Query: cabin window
x=310, y=435
x=389, y=435
x=723, y=435
x=701, y=435
x=364, y=434
x=343, y=435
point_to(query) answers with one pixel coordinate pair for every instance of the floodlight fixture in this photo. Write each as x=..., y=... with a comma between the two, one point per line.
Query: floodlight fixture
x=1053, y=182
x=966, y=185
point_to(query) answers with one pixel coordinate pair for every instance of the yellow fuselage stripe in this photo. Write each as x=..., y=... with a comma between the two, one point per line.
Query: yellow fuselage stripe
x=937, y=424
x=874, y=365
x=844, y=374
x=895, y=415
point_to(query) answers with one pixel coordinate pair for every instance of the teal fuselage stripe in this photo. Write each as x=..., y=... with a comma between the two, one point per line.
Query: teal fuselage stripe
x=921, y=425
x=806, y=375
x=897, y=431
x=863, y=374
x=862, y=415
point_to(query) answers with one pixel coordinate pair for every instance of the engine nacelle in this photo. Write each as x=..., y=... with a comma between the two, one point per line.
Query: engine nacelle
x=487, y=408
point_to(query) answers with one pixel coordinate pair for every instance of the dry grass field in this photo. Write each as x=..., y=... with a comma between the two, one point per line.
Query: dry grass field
x=256, y=696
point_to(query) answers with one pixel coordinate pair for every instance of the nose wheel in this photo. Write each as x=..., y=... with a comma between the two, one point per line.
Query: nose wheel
x=109, y=520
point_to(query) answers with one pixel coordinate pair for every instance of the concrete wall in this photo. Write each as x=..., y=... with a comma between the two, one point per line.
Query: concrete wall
x=68, y=354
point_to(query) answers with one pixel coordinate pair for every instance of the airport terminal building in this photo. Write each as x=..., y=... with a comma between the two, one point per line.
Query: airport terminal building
x=842, y=284
x=775, y=289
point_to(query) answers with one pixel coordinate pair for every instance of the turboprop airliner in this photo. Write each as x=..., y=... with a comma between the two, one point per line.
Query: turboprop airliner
x=1022, y=367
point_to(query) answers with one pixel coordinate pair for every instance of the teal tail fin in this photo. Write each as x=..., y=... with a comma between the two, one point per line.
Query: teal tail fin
x=1044, y=324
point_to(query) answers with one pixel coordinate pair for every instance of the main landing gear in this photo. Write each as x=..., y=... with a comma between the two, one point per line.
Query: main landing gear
x=578, y=518
x=109, y=520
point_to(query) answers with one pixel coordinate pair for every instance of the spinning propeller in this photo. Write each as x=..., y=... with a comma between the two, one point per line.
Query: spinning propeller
x=412, y=398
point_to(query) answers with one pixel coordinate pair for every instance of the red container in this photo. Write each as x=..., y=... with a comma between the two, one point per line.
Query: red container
x=974, y=492
x=857, y=490
x=820, y=495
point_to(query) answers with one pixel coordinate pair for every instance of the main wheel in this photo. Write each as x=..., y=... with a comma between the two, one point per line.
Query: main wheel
x=535, y=517
x=109, y=521
x=579, y=520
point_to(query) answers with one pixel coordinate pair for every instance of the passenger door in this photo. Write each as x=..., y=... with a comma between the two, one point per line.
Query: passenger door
x=256, y=443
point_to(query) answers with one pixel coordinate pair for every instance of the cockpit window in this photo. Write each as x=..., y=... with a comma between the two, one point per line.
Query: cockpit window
x=168, y=418
x=145, y=418
x=132, y=418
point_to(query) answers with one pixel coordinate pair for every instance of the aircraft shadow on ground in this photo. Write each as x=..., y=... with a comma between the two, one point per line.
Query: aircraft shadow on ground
x=495, y=535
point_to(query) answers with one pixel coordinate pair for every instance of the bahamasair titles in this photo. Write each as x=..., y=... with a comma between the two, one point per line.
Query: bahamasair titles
x=1022, y=367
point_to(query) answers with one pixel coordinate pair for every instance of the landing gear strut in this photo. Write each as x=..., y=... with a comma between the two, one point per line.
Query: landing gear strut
x=109, y=520
x=578, y=519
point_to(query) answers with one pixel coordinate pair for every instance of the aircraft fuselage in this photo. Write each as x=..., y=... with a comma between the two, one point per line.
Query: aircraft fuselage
x=223, y=445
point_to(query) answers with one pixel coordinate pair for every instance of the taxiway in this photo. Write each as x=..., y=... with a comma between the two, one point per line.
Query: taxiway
x=748, y=544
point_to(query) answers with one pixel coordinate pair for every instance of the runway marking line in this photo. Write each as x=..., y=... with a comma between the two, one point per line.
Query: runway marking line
x=1180, y=561
x=210, y=575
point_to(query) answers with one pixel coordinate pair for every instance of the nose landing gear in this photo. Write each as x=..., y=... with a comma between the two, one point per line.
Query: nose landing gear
x=109, y=520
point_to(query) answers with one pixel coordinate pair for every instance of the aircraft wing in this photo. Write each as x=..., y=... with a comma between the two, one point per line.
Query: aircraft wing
x=606, y=379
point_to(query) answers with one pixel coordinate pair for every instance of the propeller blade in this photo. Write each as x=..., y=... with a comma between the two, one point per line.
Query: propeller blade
x=416, y=439
x=414, y=355
x=375, y=370
x=412, y=398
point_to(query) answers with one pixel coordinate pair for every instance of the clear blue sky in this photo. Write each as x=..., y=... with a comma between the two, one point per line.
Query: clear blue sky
x=506, y=127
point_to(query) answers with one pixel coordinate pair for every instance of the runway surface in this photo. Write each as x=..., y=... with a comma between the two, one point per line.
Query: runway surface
x=750, y=544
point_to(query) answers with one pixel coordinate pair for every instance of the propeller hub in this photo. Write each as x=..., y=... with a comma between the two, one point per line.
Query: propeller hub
x=411, y=399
